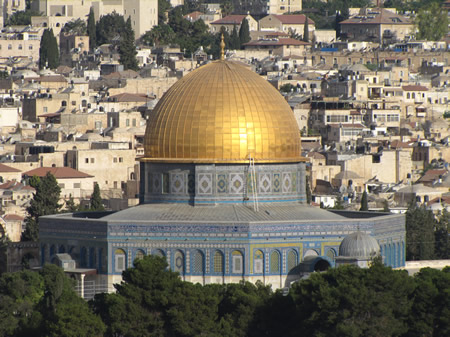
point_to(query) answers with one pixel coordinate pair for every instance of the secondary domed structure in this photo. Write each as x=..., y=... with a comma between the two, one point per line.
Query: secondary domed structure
x=358, y=248
x=222, y=113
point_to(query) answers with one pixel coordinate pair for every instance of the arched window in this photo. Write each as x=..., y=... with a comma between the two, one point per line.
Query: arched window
x=63, y=103
x=120, y=260
x=311, y=252
x=199, y=263
x=179, y=262
x=275, y=262
x=159, y=253
x=61, y=249
x=331, y=254
x=218, y=262
x=238, y=262
x=139, y=254
x=92, y=257
x=52, y=250
x=413, y=95
x=408, y=95
x=83, y=257
x=292, y=259
x=258, y=262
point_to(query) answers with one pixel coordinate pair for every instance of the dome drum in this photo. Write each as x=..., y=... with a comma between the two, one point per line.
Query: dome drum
x=209, y=184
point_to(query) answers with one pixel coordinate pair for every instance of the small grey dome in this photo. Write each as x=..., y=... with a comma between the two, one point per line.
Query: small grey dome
x=359, y=244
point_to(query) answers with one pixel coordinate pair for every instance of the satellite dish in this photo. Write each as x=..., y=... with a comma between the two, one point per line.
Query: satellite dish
x=343, y=189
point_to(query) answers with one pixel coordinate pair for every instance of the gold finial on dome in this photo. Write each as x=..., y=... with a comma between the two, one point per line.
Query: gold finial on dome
x=222, y=48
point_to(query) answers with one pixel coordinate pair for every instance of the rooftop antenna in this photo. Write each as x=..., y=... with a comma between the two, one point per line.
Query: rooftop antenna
x=253, y=180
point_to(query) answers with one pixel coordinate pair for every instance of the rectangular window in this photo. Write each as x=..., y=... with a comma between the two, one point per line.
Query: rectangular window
x=86, y=160
x=30, y=47
x=92, y=160
x=134, y=121
x=120, y=160
x=45, y=109
x=258, y=266
x=115, y=160
x=115, y=184
x=120, y=263
x=61, y=185
x=127, y=122
x=77, y=185
x=237, y=264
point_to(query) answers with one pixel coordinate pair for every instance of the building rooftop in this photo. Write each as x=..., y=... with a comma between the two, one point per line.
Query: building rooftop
x=58, y=172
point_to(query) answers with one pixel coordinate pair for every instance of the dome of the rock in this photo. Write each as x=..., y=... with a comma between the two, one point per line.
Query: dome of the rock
x=222, y=113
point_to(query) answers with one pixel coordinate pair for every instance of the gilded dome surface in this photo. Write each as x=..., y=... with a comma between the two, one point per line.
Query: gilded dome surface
x=222, y=113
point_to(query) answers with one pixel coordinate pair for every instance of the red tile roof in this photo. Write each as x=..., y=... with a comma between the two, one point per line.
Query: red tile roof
x=230, y=20
x=414, y=88
x=294, y=19
x=58, y=172
x=13, y=217
x=5, y=168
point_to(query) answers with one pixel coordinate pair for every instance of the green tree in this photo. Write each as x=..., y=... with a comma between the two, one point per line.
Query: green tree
x=306, y=30
x=154, y=301
x=109, y=28
x=364, y=202
x=432, y=23
x=77, y=27
x=48, y=52
x=288, y=87
x=21, y=18
x=420, y=225
x=442, y=239
x=163, y=7
x=338, y=204
x=226, y=8
x=44, y=202
x=235, y=41
x=162, y=34
x=91, y=30
x=352, y=301
x=127, y=48
x=70, y=205
x=430, y=313
x=96, y=200
x=244, y=32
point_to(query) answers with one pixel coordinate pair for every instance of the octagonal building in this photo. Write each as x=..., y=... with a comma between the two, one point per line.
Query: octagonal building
x=222, y=194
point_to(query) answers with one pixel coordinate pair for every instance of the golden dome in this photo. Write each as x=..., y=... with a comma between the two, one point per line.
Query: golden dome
x=222, y=113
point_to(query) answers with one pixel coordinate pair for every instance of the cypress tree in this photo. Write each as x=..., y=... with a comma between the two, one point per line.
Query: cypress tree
x=364, y=202
x=127, y=48
x=53, y=51
x=92, y=30
x=235, y=41
x=96, y=199
x=244, y=32
x=306, y=30
x=43, y=49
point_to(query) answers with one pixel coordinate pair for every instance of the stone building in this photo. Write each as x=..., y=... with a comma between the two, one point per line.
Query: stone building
x=222, y=194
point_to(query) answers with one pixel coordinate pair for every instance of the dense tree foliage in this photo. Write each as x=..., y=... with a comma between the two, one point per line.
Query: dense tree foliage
x=442, y=236
x=127, y=47
x=109, y=28
x=432, y=23
x=77, y=27
x=96, y=199
x=323, y=12
x=21, y=18
x=44, y=304
x=420, y=226
x=364, y=202
x=154, y=301
x=306, y=30
x=244, y=32
x=44, y=202
x=48, y=50
x=163, y=8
